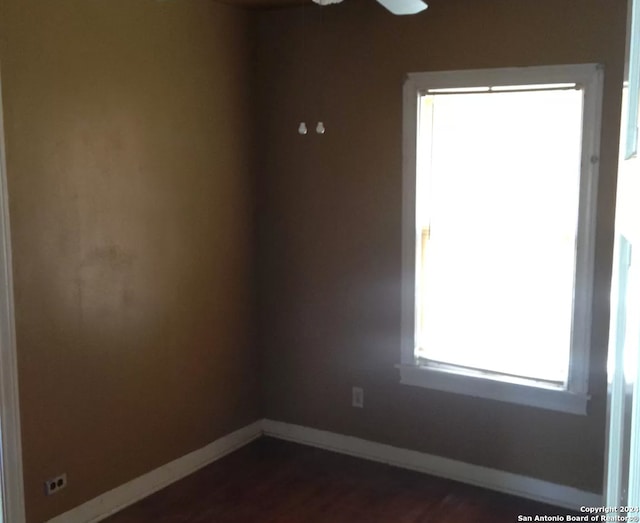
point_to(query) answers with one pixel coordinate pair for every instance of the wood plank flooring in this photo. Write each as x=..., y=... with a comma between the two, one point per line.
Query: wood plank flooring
x=271, y=481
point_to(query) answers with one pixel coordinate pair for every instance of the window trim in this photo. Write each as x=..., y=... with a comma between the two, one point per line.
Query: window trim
x=633, y=82
x=575, y=396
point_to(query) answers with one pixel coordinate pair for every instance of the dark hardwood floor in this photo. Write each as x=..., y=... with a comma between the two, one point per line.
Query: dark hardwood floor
x=271, y=481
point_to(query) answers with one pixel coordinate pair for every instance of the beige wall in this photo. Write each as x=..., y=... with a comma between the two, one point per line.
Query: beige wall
x=330, y=220
x=127, y=125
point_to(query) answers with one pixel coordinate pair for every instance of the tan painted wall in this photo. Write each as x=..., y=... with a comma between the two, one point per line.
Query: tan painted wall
x=128, y=129
x=329, y=229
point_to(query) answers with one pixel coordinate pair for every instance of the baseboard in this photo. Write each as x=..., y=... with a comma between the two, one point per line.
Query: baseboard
x=120, y=497
x=114, y=500
x=506, y=482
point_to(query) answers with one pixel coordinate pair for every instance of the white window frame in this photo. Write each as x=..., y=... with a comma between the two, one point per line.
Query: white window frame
x=573, y=397
x=633, y=75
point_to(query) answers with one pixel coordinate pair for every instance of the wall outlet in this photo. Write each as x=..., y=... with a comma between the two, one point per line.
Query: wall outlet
x=357, y=397
x=53, y=485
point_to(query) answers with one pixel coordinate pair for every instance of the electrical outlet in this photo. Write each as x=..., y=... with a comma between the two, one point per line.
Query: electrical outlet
x=357, y=397
x=53, y=485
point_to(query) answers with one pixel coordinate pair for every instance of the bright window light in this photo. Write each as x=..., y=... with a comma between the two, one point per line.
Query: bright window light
x=498, y=181
x=500, y=191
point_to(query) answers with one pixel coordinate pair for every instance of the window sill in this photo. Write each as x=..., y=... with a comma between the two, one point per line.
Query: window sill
x=522, y=392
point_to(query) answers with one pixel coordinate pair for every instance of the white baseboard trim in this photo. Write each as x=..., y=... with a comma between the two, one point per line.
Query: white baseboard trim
x=506, y=482
x=114, y=500
x=120, y=497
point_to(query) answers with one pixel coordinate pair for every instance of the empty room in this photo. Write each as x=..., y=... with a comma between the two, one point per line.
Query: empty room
x=280, y=261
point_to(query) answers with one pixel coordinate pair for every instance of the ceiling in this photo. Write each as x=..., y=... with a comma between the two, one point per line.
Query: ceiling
x=265, y=4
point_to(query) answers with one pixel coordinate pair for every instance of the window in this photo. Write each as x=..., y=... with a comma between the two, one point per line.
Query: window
x=500, y=178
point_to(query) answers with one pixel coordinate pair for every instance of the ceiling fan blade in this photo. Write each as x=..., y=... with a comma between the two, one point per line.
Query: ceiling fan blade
x=403, y=7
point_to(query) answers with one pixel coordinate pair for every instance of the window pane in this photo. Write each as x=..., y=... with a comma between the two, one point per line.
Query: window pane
x=498, y=187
